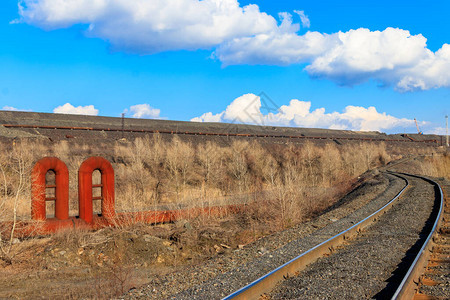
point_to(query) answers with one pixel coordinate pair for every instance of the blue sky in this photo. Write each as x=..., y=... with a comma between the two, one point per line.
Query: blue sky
x=99, y=59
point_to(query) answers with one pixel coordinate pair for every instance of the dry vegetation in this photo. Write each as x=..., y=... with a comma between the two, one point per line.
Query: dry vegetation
x=150, y=172
x=281, y=184
x=436, y=166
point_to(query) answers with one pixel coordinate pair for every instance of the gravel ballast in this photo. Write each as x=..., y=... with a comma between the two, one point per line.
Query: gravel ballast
x=372, y=265
x=224, y=274
x=439, y=271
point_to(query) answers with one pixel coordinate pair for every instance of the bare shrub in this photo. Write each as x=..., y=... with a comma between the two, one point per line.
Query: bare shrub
x=237, y=165
x=289, y=197
x=436, y=166
x=213, y=161
x=114, y=280
x=179, y=161
x=311, y=156
x=137, y=175
x=209, y=159
x=331, y=166
x=75, y=238
x=150, y=171
x=15, y=167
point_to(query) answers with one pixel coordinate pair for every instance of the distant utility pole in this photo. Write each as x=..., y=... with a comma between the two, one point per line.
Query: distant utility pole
x=123, y=124
x=446, y=130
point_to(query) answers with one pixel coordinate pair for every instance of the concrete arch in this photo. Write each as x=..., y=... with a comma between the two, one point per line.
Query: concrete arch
x=85, y=188
x=38, y=188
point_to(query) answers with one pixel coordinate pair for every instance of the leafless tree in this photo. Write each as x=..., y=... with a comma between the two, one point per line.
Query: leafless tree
x=15, y=167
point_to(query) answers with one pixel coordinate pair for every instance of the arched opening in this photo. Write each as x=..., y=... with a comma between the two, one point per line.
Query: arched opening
x=49, y=183
x=104, y=190
x=50, y=194
x=97, y=192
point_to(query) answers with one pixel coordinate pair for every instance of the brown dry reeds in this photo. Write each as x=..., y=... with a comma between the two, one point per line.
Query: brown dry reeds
x=156, y=174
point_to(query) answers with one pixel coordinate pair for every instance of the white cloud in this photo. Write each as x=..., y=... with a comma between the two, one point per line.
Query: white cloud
x=303, y=18
x=144, y=111
x=245, y=35
x=437, y=130
x=280, y=46
x=208, y=117
x=244, y=109
x=151, y=26
x=249, y=109
x=7, y=107
x=392, y=57
x=79, y=110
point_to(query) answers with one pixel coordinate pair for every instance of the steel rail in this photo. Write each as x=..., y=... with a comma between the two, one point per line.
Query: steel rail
x=215, y=133
x=406, y=289
x=266, y=282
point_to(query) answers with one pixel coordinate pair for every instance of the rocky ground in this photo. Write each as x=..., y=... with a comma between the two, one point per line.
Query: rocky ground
x=435, y=282
x=224, y=274
x=187, y=259
x=154, y=261
x=373, y=265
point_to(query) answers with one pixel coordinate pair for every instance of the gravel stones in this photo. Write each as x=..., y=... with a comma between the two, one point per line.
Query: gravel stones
x=224, y=274
x=374, y=263
x=435, y=282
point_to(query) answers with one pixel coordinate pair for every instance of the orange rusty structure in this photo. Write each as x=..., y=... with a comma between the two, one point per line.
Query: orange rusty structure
x=40, y=225
x=85, y=186
x=39, y=187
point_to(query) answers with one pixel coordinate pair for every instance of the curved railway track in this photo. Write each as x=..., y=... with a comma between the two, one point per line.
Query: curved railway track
x=352, y=264
x=407, y=139
x=362, y=252
x=434, y=282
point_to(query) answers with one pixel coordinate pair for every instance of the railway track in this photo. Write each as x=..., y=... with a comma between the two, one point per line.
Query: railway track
x=434, y=283
x=373, y=265
x=225, y=134
x=355, y=264
x=219, y=276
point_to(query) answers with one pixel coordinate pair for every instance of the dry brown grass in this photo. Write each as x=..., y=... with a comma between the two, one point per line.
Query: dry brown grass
x=436, y=166
x=16, y=163
x=151, y=171
x=281, y=184
x=292, y=180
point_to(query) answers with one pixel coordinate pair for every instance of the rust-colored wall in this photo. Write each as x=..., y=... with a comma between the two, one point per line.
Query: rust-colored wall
x=41, y=225
x=38, y=173
x=85, y=188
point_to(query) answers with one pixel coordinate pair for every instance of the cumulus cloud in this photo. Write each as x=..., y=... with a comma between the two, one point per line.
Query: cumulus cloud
x=244, y=109
x=281, y=46
x=245, y=35
x=151, y=26
x=251, y=109
x=68, y=108
x=144, y=111
x=11, y=108
x=392, y=57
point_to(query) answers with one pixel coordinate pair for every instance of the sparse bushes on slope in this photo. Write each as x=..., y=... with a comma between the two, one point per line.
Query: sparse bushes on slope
x=284, y=177
x=293, y=179
x=16, y=163
x=436, y=166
